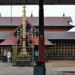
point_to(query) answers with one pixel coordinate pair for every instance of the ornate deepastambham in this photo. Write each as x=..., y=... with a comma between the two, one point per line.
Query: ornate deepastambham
x=21, y=56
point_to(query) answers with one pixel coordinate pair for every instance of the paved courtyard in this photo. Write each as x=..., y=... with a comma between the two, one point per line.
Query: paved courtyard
x=52, y=68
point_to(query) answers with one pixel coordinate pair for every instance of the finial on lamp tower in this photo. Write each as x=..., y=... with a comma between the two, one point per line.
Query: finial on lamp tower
x=63, y=15
x=31, y=14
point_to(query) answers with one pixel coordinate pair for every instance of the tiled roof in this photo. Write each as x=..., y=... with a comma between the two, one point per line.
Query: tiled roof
x=60, y=35
x=48, y=21
x=48, y=35
x=10, y=41
x=13, y=41
x=5, y=35
x=51, y=21
x=35, y=41
x=6, y=21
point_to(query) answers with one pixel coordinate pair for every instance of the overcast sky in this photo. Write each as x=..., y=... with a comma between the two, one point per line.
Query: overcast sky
x=49, y=10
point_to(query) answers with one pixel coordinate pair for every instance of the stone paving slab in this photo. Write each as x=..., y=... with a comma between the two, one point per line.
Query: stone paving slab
x=66, y=69
x=7, y=69
x=51, y=68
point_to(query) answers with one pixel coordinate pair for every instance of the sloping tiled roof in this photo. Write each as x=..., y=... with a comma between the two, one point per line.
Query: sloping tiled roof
x=13, y=41
x=48, y=21
x=35, y=41
x=60, y=35
x=10, y=41
x=6, y=21
x=51, y=21
x=48, y=35
x=5, y=35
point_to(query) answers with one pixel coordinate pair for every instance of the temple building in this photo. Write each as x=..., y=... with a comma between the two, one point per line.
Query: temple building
x=59, y=43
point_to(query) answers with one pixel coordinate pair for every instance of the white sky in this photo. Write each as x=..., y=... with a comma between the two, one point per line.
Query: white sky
x=49, y=10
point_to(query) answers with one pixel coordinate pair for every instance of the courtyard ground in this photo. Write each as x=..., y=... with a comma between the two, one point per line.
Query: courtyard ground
x=53, y=67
